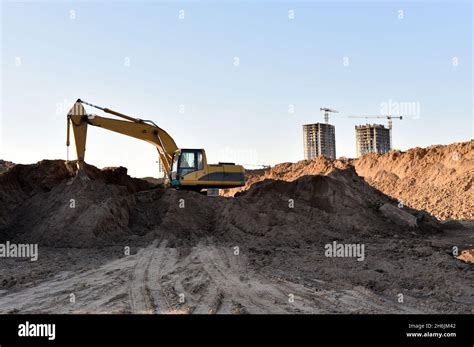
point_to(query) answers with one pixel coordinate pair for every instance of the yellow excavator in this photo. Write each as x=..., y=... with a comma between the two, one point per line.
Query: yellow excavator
x=184, y=168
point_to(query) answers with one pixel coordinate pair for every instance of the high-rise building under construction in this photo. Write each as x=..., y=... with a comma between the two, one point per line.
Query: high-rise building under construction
x=319, y=139
x=372, y=138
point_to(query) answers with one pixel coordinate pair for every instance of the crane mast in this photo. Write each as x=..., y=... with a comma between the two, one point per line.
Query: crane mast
x=326, y=113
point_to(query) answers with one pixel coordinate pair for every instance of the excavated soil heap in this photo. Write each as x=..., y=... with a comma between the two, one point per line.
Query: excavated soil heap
x=290, y=172
x=312, y=209
x=437, y=179
x=281, y=226
x=467, y=256
x=42, y=203
x=5, y=165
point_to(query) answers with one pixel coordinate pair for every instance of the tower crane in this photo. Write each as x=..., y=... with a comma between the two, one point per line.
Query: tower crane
x=326, y=113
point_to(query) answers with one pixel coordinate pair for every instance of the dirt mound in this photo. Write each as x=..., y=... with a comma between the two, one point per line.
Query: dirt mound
x=290, y=172
x=23, y=181
x=467, y=256
x=154, y=181
x=80, y=214
x=177, y=215
x=281, y=227
x=118, y=176
x=110, y=206
x=437, y=179
x=5, y=165
x=285, y=228
x=42, y=203
x=339, y=205
x=40, y=177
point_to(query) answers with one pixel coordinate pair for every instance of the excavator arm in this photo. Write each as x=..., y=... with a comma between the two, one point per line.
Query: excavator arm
x=134, y=127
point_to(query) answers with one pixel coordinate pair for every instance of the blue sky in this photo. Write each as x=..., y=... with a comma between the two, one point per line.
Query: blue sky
x=348, y=55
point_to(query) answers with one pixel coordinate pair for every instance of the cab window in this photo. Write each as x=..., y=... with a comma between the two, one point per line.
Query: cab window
x=199, y=161
x=174, y=169
x=187, y=163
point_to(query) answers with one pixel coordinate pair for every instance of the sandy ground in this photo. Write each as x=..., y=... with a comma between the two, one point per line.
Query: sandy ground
x=206, y=278
x=262, y=251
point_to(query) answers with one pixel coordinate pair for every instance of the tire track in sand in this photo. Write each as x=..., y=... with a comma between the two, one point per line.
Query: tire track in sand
x=139, y=293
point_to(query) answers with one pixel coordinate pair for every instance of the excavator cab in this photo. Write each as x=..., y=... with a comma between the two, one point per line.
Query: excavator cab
x=185, y=162
x=191, y=171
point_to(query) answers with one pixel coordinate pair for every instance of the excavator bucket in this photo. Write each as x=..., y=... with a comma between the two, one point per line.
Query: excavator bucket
x=75, y=118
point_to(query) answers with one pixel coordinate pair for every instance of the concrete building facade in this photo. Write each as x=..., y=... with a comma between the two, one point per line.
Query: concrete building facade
x=372, y=138
x=161, y=169
x=319, y=139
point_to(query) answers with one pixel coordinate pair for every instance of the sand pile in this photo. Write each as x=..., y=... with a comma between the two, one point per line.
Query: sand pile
x=115, y=175
x=176, y=215
x=437, y=179
x=467, y=256
x=82, y=214
x=276, y=213
x=290, y=172
x=281, y=226
x=317, y=209
x=5, y=165
x=285, y=228
x=41, y=203
x=24, y=181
